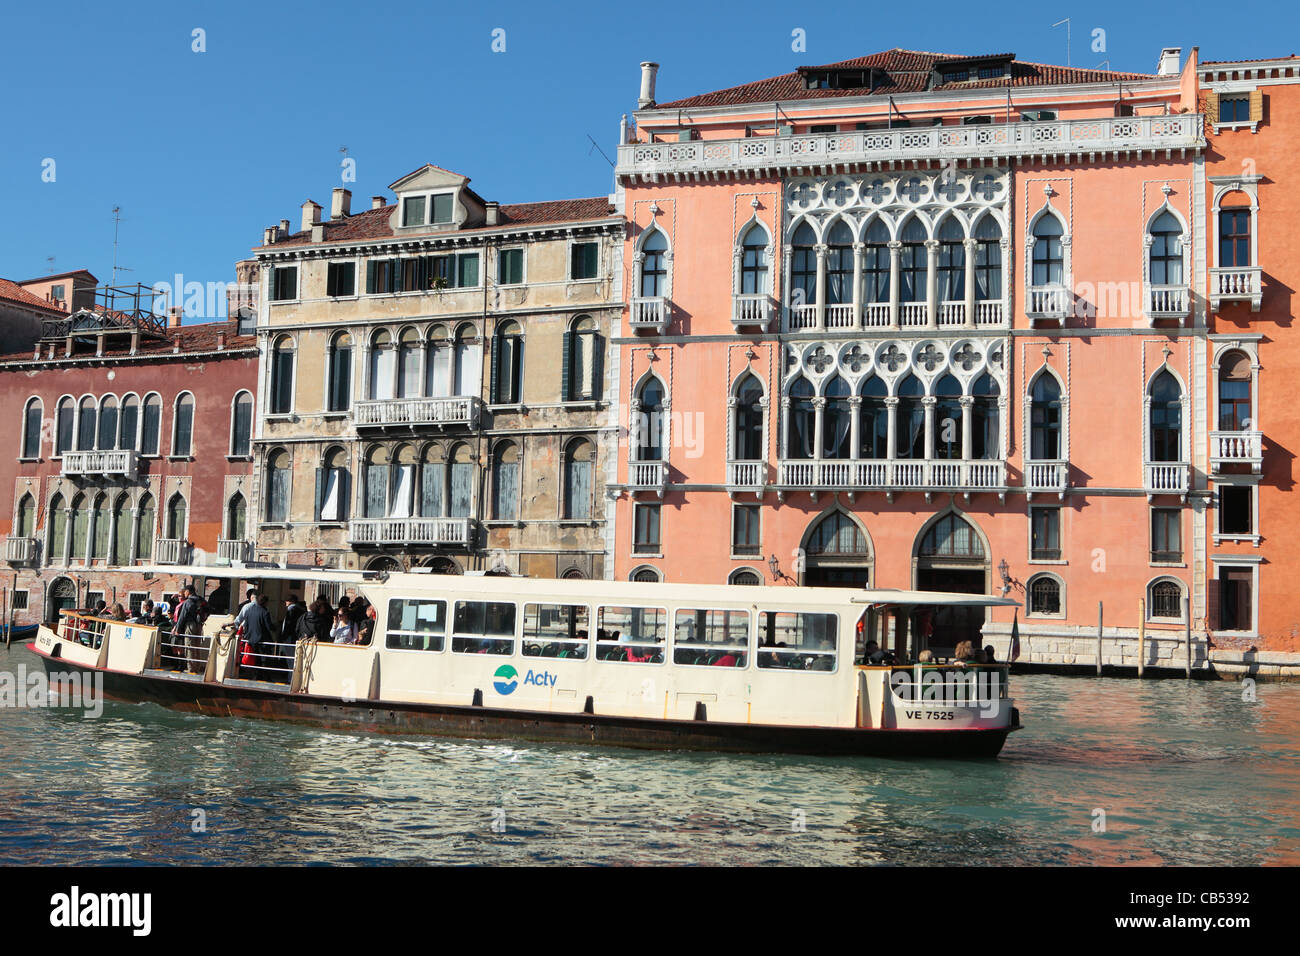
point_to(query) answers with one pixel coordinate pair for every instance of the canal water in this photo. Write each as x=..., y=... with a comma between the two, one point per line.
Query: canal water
x=1184, y=772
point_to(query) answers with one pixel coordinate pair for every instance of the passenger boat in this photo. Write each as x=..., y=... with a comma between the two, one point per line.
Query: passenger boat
x=650, y=665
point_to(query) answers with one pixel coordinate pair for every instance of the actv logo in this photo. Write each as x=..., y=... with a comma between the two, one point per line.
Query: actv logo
x=507, y=679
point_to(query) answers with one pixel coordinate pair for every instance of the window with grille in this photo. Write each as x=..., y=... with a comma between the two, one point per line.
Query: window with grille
x=1044, y=595
x=1166, y=600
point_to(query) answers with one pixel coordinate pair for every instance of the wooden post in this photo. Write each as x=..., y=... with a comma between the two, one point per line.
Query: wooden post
x=8, y=628
x=1187, y=617
x=1098, y=638
x=1142, y=635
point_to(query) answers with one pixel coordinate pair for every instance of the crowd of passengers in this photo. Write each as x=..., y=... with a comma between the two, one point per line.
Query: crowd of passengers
x=267, y=649
x=966, y=653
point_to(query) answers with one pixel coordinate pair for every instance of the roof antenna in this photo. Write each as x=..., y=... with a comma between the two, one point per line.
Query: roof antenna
x=50, y=260
x=596, y=147
x=1066, y=21
x=117, y=221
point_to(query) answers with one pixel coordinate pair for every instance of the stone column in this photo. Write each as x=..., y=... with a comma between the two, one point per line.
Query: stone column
x=855, y=409
x=895, y=252
x=928, y=403
x=970, y=246
x=891, y=416
x=785, y=427
x=67, y=536
x=932, y=281
x=819, y=409
x=821, y=251
x=788, y=256
x=967, y=404
x=858, y=248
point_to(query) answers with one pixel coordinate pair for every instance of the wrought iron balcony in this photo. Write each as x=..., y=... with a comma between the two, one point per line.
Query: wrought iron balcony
x=20, y=550
x=1236, y=448
x=1168, y=301
x=236, y=552
x=647, y=476
x=451, y=412
x=751, y=310
x=1237, y=284
x=649, y=313
x=892, y=475
x=118, y=462
x=1166, y=478
x=171, y=551
x=411, y=531
x=1046, y=476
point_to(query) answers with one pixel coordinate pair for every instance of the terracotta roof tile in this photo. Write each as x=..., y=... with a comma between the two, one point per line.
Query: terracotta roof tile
x=193, y=339
x=906, y=71
x=13, y=292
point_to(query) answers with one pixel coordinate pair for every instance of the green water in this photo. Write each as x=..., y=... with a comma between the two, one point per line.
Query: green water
x=1186, y=772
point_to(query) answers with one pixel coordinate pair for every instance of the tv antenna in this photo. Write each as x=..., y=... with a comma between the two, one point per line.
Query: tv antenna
x=596, y=147
x=117, y=221
x=1066, y=21
x=50, y=260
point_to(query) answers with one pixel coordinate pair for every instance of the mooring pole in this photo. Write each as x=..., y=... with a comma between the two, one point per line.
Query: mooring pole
x=1142, y=635
x=1098, y=638
x=1187, y=617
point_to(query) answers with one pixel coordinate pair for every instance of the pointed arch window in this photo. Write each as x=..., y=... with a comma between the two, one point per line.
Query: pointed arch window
x=144, y=523
x=952, y=537
x=409, y=348
x=340, y=373
x=433, y=482
x=947, y=418
x=1166, y=257
x=988, y=259
x=183, y=426
x=650, y=427
x=27, y=517
x=437, y=363
x=151, y=424
x=913, y=263
x=80, y=526
x=129, y=428
x=1048, y=252
x=505, y=482
x=108, y=418
x=241, y=425
x=282, y=376
x=654, y=266
x=177, y=511
x=58, y=525
x=1235, y=412
x=754, y=269
x=462, y=482
x=909, y=438
x=102, y=527
x=952, y=261
x=873, y=430
x=32, y=429
x=120, y=545
x=985, y=419
x=1166, y=418
x=468, y=372
x=332, y=486
x=508, y=364
x=803, y=420
x=747, y=425
x=579, y=460
x=277, y=487
x=837, y=420
x=65, y=426
x=402, y=481
x=875, y=264
x=236, y=518
x=583, y=351
x=377, y=479
x=803, y=266
x=1045, y=419
x=839, y=264
x=837, y=534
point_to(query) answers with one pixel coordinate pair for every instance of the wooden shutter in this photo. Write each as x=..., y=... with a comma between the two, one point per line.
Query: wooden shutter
x=1212, y=106
x=345, y=494
x=1256, y=106
x=597, y=365
x=494, y=387
x=566, y=389
x=370, y=276
x=320, y=490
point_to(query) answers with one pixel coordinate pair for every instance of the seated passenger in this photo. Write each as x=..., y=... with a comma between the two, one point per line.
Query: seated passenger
x=964, y=652
x=873, y=653
x=344, y=631
x=981, y=657
x=728, y=659
x=989, y=657
x=638, y=655
x=925, y=657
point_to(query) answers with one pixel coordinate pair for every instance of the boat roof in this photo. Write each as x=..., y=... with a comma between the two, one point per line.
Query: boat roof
x=589, y=589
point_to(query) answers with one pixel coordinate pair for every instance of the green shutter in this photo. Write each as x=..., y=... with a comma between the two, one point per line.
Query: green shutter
x=597, y=365
x=566, y=387
x=370, y=276
x=320, y=487
x=494, y=389
x=345, y=490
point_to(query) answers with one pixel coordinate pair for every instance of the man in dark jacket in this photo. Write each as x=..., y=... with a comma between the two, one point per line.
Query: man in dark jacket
x=258, y=630
x=295, y=609
x=189, y=623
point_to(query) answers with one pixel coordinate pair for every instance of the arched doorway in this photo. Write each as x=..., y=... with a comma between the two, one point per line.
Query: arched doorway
x=950, y=555
x=63, y=595
x=386, y=564
x=443, y=566
x=837, y=553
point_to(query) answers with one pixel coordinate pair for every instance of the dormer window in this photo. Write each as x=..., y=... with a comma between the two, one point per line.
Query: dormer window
x=413, y=211
x=442, y=209
x=427, y=210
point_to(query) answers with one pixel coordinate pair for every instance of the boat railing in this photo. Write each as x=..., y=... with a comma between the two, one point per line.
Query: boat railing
x=84, y=629
x=271, y=660
x=948, y=683
x=184, y=652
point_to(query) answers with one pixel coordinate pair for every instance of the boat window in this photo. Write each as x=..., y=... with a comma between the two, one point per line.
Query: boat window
x=556, y=630
x=416, y=625
x=794, y=641
x=483, y=627
x=711, y=638
x=634, y=634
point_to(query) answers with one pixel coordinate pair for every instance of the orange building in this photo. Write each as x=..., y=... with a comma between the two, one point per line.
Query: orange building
x=932, y=321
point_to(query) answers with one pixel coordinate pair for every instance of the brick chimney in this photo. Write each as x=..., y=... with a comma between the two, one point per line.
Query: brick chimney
x=310, y=215
x=174, y=316
x=269, y=235
x=377, y=202
x=341, y=203
x=221, y=339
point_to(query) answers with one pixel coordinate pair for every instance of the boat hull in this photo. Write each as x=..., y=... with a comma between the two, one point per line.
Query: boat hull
x=245, y=699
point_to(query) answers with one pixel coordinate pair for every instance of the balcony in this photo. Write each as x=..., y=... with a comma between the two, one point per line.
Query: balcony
x=96, y=464
x=649, y=313
x=952, y=314
x=1046, y=477
x=746, y=476
x=1166, y=478
x=1239, y=284
x=236, y=552
x=647, y=476
x=803, y=317
x=20, y=550
x=171, y=551
x=892, y=476
x=751, y=310
x=1168, y=301
x=1082, y=139
x=1236, y=448
x=461, y=411
x=1047, y=302
x=913, y=315
x=410, y=531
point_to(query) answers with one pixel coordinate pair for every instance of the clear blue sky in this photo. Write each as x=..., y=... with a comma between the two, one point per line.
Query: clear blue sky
x=203, y=150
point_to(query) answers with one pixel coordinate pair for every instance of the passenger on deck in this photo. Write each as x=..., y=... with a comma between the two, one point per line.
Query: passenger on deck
x=119, y=612
x=366, y=630
x=189, y=625
x=981, y=657
x=315, y=624
x=925, y=657
x=345, y=632
x=728, y=659
x=294, y=611
x=146, y=614
x=873, y=653
x=638, y=655
x=258, y=630
x=989, y=657
x=964, y=652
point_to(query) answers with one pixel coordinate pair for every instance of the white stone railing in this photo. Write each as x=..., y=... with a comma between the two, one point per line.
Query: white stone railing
x=455, y=531
x=875, y=315
x=752, y=310
x=647, y=475
x=1168, y=301
x=1236, y=448
x=171, y=551
x=803, y=316
x=1046, y=302
x=912, y=315
x=454, y=410
x=1166, y=477
x=999, y=141
x=989, y=313
x=1046, y=476
x=236, y=552
x=1240, y=284
x=746, y=474
x=649, y=313
x=892, y=475
x=115, y=462
x=840, y=316
x=952, y=314
x=20, y=550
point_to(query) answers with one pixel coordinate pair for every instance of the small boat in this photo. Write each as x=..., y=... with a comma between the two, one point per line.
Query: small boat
x=20, y=633
x=648, y=665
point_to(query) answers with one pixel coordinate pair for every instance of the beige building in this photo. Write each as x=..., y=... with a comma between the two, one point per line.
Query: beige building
x=433, y=388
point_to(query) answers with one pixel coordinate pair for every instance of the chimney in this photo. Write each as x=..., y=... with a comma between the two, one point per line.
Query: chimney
x=221, y=339
x=341, y=203
x=310, y=214
x=284, y=229
x=1169, y=58
x=377, y=202
x=648, y=73
x=268, y=235
x=492, y=213
x=174, y=315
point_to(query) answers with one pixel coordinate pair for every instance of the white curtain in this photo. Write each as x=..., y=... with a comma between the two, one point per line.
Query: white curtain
x=438, y=373
x=329, y=509
x=401, y=504
x=382, y=363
